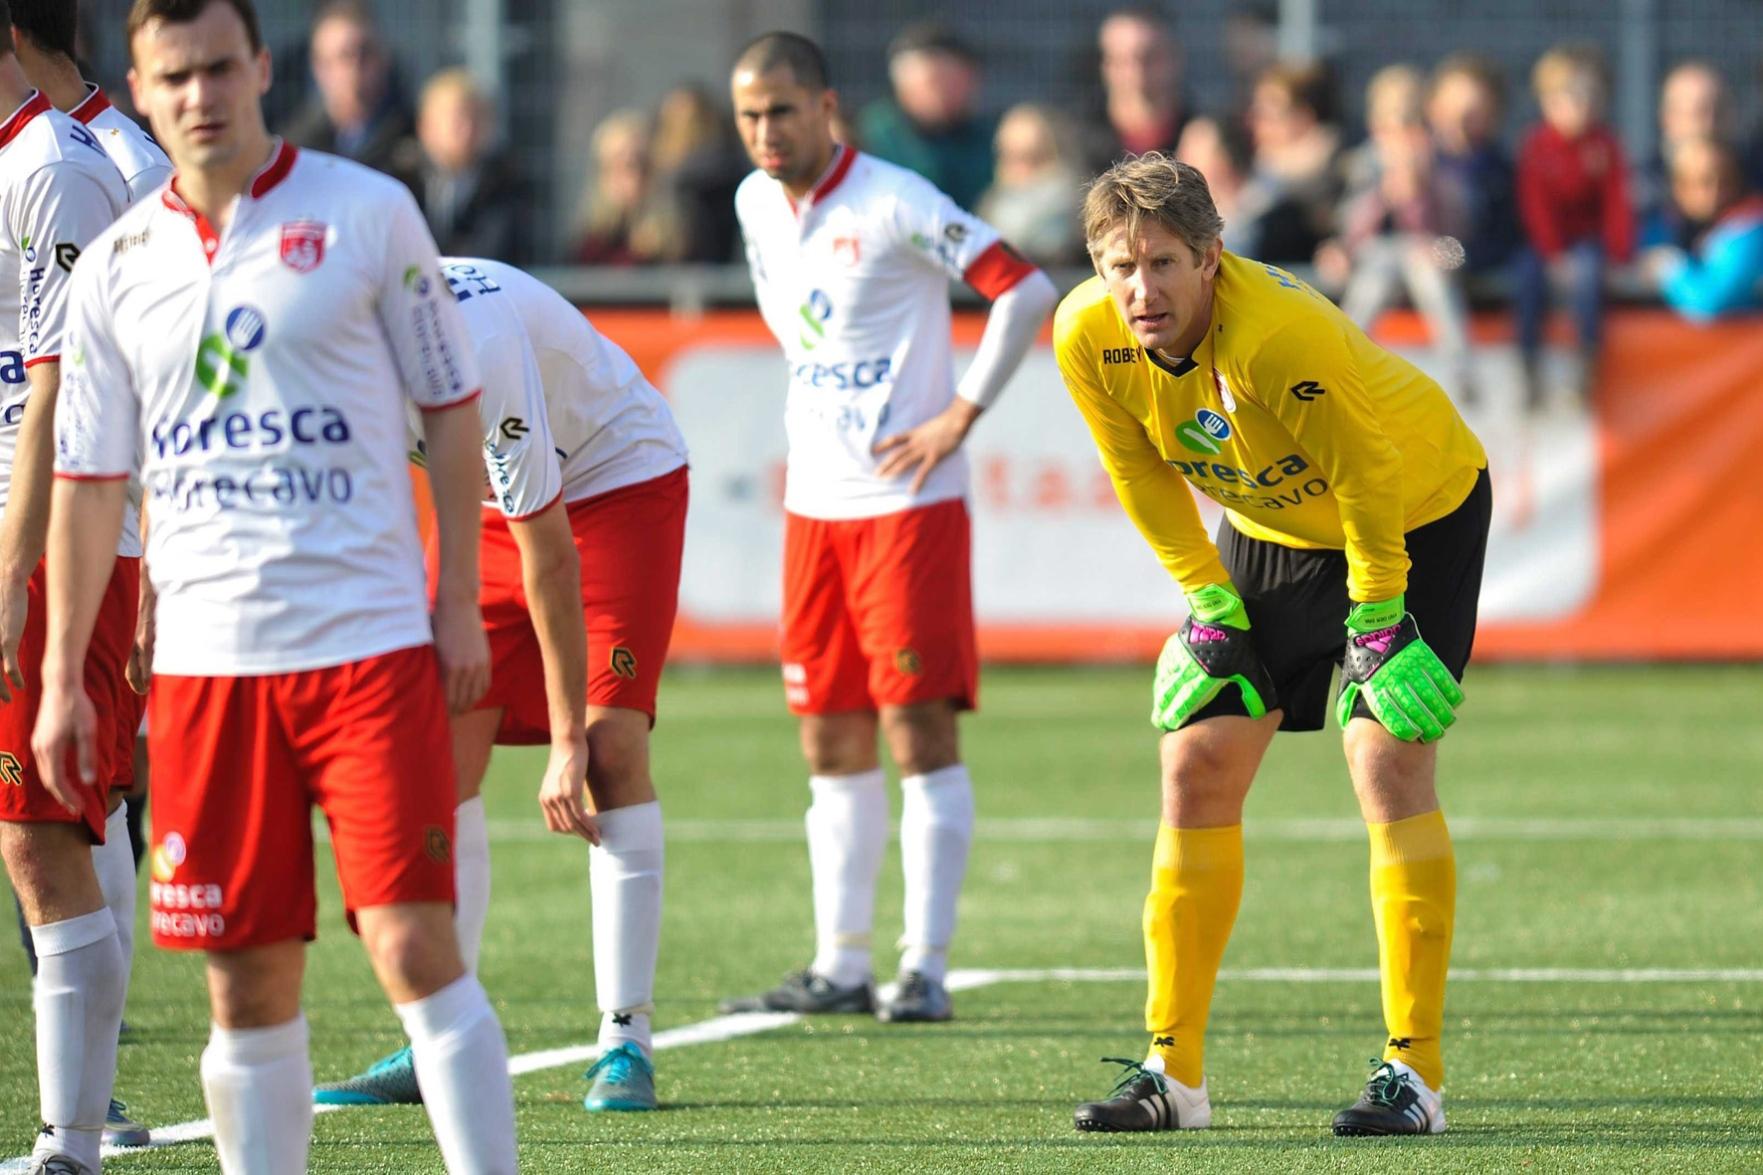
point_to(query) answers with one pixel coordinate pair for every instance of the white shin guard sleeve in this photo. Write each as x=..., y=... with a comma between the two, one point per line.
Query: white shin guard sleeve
x=625, y=875
x=847, y=835
x=462, y=1065
x=258, y=1082
x=78, y=997
x=471, y=878
x=936, y=831
x=114, y=862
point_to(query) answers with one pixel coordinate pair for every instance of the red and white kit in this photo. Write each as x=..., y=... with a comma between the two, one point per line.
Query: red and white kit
x=144, y=167
x=853, y=282
x=58, y=191
x=568, y=416
x=256, y=382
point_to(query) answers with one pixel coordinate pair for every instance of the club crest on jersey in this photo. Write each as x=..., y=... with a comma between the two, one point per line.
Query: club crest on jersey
x=848, y=249
x=303, y=245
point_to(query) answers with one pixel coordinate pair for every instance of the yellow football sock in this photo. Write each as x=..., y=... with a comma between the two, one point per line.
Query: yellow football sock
x=1414, y=899
x=1196, y=885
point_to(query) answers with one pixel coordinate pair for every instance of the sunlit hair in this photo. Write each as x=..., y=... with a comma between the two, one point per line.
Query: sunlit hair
x=1151, y=188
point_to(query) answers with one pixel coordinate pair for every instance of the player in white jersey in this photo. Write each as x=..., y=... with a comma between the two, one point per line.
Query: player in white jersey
x=851, y=258
x=57, y=192
x=45, y=32
x=580, y=559
x=245, y=343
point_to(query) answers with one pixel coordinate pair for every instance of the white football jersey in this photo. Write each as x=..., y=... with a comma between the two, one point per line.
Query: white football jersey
x=854, y=283
x=256, y=381
x=144, y=166
x=57, y=192
x=566, y=413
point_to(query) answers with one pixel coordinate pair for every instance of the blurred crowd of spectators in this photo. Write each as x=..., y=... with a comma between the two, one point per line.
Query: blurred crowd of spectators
x=1414, y=206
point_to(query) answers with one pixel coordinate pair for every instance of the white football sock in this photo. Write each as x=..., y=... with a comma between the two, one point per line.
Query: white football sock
x=936, y=830
x=114, y=862
x=258, y=1082
x=847, y=835
x=471, y=878
x=624, y=873
x=462, y=1065
x=78, y=999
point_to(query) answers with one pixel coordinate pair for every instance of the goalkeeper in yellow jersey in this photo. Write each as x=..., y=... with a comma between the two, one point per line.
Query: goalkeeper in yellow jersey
x=1356, y=519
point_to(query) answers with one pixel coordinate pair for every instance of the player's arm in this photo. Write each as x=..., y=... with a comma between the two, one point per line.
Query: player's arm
x=1211, y=649
x=1022, y=296
x=526, y=479
x=61, y=211
x=1309, y=374
x=96, y=448
x=440, y=375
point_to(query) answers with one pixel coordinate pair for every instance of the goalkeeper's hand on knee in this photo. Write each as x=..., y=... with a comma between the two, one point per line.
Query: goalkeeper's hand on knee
x=1405, y=685
x=1212, y=650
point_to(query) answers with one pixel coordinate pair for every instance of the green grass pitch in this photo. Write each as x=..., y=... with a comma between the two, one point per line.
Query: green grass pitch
x=1609, y=820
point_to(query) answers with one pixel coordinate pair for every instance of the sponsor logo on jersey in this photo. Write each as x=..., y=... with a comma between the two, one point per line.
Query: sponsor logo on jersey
x=1203, y=432
x=814, y=313
x=221, y=366
x=66, y=253
x=1113, y=356
x=513, y=428
x=1274, y=487
x=303, y=245
x=1215, y=425
x=12, y=372
x=1307, y=390
x=11, y=770
x=128, y=241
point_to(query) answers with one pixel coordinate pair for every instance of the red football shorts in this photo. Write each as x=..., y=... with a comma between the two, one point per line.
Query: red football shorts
x=238, y=763
x=630, y=541
x=23, y=798
x=879, y=611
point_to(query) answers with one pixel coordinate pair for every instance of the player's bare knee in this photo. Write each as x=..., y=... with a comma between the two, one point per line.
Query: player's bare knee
x=618, y=759
x=50, y=866
x=256, y=987
x=922, y=738
x=1206, y=776
x=839, y=744
x=412, y=948
x=1392, y=779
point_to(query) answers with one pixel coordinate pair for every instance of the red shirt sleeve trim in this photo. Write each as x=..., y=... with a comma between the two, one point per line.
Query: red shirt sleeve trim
x=539, y=511
x=30, y=363
x=997, y=270
x=459, y=403
x=91, y=476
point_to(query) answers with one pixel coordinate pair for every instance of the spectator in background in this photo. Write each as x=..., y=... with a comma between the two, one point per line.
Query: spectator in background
x=1722, y=271
x=357, y=111
x=1258, y=221
x=473, y=198
x=1392, y=226
x=624, y=220
x=932, y=124
x=1465, y=107
x=1251, y=46
x=1143, y=107
x=1297, y=146
x=1034, y=201
x=1573, y=202
x=1693, y=106
x=698, y=164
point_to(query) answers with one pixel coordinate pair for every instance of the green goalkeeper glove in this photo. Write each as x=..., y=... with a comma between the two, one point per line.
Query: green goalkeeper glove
x=1405, y=685
x=1212, y=650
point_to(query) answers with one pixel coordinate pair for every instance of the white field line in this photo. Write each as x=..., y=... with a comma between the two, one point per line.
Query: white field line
x=1320, y=830
x=722, y=1028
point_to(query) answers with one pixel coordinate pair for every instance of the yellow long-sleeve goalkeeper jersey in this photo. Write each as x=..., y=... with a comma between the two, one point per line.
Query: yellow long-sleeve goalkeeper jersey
x=1307, y=433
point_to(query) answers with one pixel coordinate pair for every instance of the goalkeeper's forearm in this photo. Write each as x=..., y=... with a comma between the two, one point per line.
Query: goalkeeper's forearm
x=85, y=522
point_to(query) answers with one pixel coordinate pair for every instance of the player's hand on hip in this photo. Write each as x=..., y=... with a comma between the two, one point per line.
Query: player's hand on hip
x=13, y=605
x=464, y=652
x=66, y=721
x=1405, y=685
x=919, y=450
x=1210, y=651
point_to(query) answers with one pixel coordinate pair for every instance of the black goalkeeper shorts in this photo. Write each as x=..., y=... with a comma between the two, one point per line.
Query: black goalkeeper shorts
x=1297, y=604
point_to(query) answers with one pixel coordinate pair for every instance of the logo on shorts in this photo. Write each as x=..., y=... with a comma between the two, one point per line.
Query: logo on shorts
x=303, y=245
x=11, y=770
x=436, y=845
x=624, y=663
x=167, y=857
x=907, y=661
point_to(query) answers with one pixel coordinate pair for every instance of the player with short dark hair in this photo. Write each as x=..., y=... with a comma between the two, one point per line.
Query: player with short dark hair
x=1353, y=493
x=246, y=345
x=67, y=852
x=851, y=257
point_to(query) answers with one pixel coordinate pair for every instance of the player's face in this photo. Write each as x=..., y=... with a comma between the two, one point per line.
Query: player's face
x=1162, y=287
x=785, y=126
x=201, y=86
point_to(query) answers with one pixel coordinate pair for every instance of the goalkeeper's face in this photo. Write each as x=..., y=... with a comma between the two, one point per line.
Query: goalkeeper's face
x=786, y=126
x=1162, y=287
